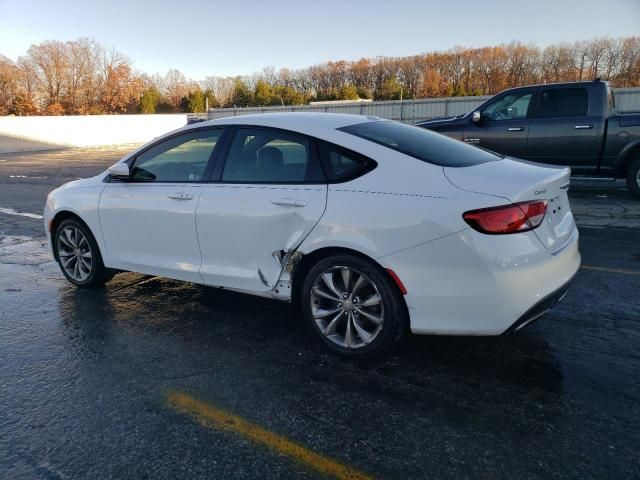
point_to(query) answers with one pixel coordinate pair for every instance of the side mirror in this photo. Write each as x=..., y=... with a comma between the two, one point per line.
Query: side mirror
x=119, y=171
x=476, y=116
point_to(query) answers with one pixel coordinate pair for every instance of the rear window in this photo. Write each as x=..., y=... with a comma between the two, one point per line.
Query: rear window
x=563, y=102
x=422, y=144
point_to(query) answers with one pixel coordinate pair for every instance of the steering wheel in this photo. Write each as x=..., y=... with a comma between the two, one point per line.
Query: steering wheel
x=185, y=172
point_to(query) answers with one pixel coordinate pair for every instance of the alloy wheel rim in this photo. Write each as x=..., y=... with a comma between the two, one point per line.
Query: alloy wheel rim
x=75, y=253
x=638, y=178
x=347, y=307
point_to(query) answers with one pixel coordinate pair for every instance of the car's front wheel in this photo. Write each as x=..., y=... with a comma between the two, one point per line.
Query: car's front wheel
x=352, y=306
x=78, y=255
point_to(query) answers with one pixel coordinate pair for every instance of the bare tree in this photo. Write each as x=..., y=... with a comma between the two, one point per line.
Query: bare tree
x=50, y=63
x=82, y=76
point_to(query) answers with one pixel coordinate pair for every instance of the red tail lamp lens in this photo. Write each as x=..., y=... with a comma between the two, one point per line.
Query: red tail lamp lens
x=514, y=218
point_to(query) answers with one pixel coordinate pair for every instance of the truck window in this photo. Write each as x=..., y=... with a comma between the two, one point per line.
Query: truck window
x=513, y=106
x=562, y=102
x=611, y=100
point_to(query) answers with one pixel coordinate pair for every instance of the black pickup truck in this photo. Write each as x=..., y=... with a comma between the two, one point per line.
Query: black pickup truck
x=573, y=124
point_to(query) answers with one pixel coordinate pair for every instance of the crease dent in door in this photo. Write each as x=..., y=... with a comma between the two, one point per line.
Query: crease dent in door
x=289, y=256
x=195, y=224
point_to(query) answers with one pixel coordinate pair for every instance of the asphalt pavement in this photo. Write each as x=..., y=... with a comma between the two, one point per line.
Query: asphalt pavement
x=151, y=378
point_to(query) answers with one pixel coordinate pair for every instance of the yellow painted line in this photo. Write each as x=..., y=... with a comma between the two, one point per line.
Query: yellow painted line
x=213, y=417
x=610, y=270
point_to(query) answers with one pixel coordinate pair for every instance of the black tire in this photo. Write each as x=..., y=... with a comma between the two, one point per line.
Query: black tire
x=98, y=273
x=394, y=311
x=633, y=177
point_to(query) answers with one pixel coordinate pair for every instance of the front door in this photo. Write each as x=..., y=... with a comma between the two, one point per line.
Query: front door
x=504, y=126
x=268, y=196
x=148, y=222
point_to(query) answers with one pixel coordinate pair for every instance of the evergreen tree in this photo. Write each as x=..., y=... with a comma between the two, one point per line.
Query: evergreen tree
x=149, y=100
x=348, y=92
x=263, y=94
x=195, y=101
x=242, y=95
x=213, y=101
x=390, y=89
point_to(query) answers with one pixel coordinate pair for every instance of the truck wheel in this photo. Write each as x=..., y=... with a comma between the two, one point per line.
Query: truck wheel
x=633, y=177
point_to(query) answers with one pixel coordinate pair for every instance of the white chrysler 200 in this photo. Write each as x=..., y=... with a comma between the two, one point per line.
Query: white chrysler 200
x=372, y=226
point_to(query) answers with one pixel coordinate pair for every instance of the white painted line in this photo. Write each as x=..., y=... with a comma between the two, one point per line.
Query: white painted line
x=11, y=211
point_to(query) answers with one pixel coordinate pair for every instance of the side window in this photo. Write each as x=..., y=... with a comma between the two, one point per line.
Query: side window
x=512, y=106
x=266, y=156
x=563, y=102
x=611, y=100
x=179, y=159
x=341, y=164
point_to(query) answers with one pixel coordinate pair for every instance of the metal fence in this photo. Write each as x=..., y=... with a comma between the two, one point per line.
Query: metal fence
x=627, y=99
x=409, y=111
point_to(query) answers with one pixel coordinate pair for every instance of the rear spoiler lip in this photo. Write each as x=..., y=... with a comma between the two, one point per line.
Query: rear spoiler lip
x=558, y=175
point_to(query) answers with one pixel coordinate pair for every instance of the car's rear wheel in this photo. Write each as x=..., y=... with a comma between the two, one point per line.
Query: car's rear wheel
x=352, y=306
x=79, y=256
x=633, y=177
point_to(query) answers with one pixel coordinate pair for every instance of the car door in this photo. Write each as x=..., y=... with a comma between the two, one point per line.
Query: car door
x=503, y=125
x=265, y=199
x=148, y=221
x=564, y=128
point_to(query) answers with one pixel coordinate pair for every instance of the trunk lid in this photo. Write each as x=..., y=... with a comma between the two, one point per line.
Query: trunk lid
x=518, y=181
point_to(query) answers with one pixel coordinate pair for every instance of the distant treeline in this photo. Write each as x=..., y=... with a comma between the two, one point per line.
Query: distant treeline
x=84, y=77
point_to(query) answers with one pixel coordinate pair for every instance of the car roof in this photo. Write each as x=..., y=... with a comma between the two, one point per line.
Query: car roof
x=311, y=123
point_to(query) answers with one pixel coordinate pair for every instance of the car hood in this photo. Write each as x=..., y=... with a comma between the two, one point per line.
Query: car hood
x=84, y=182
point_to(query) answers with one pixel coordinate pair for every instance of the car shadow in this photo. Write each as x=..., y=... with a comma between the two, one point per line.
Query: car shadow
x=464, y=379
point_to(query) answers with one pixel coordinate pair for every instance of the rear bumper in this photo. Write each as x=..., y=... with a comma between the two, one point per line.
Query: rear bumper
x=474, y=284
x=540, y=308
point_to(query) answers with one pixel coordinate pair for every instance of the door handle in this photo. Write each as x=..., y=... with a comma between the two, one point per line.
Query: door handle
x=289, y=202
x=180, y=196
x=583, y=127
x=515, y=129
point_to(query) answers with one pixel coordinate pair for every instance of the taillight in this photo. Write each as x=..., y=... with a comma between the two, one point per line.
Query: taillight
x=514, y=218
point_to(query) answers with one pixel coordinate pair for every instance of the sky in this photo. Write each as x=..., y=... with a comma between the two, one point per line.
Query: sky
x=221, y=38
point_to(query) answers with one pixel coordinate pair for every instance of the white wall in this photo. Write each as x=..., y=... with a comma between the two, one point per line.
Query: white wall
x=23, y=134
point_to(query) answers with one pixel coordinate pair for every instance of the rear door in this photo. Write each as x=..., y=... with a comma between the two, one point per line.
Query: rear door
x=564, y=128
x=267, y=195
x=504, y=126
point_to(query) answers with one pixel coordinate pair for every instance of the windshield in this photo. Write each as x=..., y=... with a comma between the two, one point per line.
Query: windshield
x=422, y=144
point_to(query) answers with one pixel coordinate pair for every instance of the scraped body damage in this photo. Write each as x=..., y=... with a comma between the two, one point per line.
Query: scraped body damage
x=243, y=255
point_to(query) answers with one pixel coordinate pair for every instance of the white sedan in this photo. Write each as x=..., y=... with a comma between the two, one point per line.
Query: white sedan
x=371, y=226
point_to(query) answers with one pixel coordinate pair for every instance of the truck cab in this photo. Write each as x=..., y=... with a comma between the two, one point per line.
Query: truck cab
x=572, y=124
